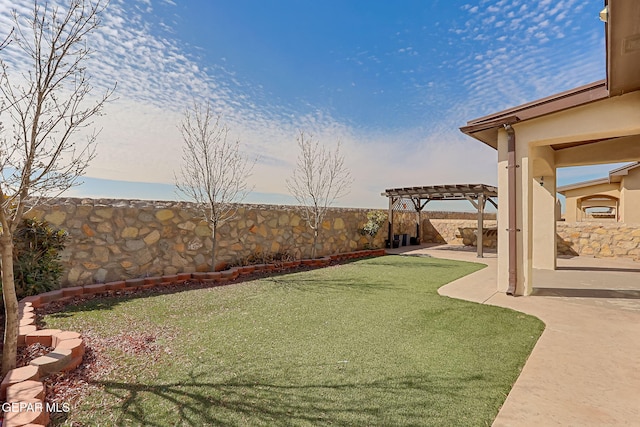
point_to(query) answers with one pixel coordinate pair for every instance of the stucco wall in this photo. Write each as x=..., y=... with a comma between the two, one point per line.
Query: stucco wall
x=121, y=239
x=630, y=203
x=573, y=211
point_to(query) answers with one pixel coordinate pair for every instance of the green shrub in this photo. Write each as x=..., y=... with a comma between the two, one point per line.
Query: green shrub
x=375, y=220
x=36, y=265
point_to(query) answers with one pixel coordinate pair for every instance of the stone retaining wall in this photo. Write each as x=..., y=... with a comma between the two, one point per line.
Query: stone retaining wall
x=121, y=239
x=602, y=240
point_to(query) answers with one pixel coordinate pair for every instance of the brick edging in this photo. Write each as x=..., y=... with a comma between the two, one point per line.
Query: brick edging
x=23, y=385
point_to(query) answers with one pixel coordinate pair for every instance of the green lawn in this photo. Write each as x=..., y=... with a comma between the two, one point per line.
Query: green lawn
x=362, y=344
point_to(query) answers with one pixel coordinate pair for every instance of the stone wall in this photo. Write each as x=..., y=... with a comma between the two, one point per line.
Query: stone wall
x=454, y=228
x=602, y=240
x=122, y=239
x=458, y=232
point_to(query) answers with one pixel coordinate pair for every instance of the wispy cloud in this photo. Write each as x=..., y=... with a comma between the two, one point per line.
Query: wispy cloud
x=523, y=55
x=509, y=59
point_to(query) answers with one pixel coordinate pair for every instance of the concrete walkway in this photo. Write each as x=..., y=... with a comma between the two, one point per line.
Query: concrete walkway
x=585, y=369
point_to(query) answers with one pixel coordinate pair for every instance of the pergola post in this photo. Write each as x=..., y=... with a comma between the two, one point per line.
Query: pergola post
x=477, y=194
x=480, y=234
x=418, y=208
x=390, y=222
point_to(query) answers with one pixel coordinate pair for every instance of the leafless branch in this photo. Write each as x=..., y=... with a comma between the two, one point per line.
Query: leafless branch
x=319, y=179
x=214, y=170
x=49, y=109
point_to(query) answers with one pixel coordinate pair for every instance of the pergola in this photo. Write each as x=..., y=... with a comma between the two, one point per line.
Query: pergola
x=477, y=194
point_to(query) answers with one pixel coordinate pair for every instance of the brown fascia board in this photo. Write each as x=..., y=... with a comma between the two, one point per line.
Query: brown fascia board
x=485, y=128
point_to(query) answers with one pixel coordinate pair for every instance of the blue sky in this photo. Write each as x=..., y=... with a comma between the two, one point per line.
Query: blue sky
x=393, y=81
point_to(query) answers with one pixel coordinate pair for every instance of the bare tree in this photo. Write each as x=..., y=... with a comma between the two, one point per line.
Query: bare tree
x=214, y=170
x=50, y=143
x=319, y=179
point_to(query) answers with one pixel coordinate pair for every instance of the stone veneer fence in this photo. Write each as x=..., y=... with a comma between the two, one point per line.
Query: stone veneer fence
x=123, y=239
x=597, y=239
x=602, y=240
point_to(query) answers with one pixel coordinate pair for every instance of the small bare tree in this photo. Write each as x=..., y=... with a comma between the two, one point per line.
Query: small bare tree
x=49, y=114
x=214, y=170
x=319, y=179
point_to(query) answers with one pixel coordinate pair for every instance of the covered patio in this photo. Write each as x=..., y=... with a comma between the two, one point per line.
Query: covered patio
x=597, y=123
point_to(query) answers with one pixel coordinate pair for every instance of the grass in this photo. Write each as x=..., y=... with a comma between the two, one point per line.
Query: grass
x=361, y=344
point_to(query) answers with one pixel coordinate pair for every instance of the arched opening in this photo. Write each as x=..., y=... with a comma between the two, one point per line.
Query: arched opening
x=599, y=207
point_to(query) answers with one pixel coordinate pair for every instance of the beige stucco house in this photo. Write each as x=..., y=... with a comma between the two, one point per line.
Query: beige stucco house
x=615, y=198
x=594, y=124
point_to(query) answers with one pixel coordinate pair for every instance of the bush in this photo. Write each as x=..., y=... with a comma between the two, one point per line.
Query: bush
x=375, y=220
x=36, y=265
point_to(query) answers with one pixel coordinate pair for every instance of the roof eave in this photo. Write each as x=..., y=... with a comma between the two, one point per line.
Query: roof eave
x=485, y=128
x=582, y=184
x=623, y=170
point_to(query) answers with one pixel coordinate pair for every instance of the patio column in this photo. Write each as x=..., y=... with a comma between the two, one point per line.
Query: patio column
x=523, y=212
x=543, y=208
x=480, y=232
x=526, y=181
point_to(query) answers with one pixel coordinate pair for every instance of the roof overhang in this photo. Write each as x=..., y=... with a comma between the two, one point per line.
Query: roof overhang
x=617, y=174
x=486, y=128
x=622, y=31
x=563, y=189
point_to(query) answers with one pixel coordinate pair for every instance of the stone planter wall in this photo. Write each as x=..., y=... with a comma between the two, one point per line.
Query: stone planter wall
x=122, y=239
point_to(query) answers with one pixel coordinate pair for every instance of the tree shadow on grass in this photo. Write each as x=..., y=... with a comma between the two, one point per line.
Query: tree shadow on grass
x=409, y=400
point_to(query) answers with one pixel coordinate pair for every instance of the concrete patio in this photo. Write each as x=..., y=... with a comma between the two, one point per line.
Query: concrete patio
x=585, y=369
